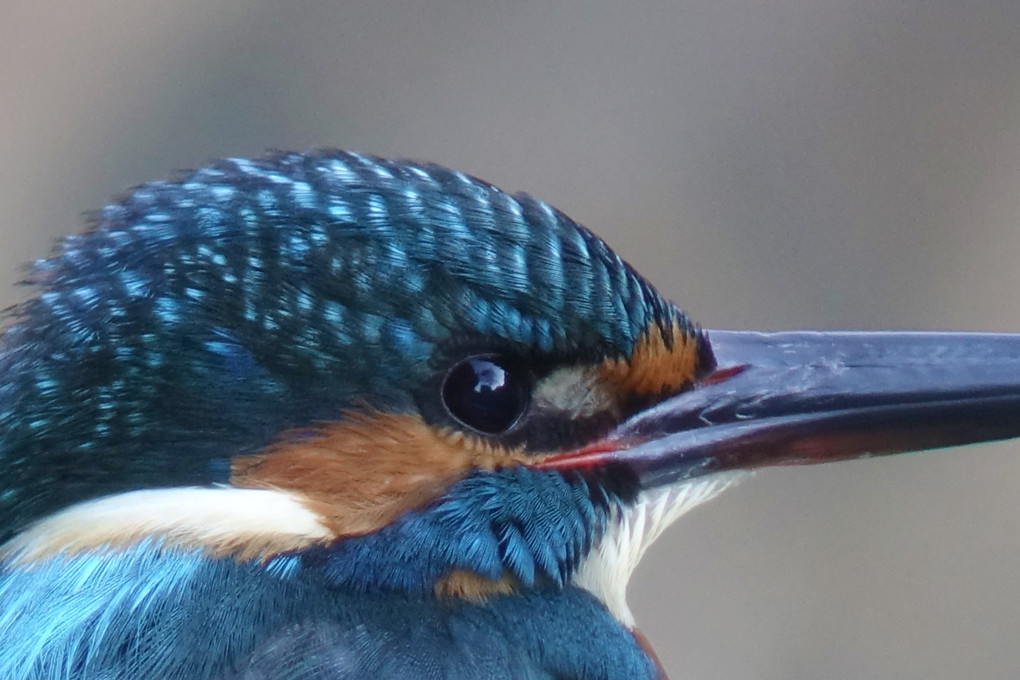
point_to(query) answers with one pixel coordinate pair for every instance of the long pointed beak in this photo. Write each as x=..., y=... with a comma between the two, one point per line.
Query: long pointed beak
x=806, y=397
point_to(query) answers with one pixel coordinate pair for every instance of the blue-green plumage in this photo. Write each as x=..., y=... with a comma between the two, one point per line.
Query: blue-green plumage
x=199, y=321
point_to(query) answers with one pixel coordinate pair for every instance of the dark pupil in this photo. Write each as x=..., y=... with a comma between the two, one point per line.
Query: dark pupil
x=483, y=394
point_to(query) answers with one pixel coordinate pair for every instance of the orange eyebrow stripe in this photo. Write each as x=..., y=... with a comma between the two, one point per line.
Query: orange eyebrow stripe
x=655, y=366
x=360, y=473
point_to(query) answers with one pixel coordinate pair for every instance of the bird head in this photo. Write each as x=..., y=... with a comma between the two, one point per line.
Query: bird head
x=409, y=380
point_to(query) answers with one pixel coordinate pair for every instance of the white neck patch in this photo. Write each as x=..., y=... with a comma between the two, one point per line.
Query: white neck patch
x=607, y=569
x=247, y=523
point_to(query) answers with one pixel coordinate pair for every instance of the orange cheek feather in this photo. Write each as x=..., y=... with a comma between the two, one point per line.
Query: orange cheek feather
x=359, y=474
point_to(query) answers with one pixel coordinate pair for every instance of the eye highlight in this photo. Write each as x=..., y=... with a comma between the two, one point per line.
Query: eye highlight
x=487, y=393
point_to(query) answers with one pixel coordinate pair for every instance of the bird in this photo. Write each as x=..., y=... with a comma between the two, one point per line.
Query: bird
x=323, y=415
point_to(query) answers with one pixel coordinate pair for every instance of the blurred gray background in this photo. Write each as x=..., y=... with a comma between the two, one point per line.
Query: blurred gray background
x=768, y=164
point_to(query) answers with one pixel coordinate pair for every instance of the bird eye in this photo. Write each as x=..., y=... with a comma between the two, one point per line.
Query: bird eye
x=486, y=393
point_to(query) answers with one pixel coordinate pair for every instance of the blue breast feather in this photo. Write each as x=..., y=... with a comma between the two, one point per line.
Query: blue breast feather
x=254, y=621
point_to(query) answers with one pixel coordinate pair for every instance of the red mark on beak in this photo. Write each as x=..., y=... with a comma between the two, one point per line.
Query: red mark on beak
x=588, y=456
x=722, y=374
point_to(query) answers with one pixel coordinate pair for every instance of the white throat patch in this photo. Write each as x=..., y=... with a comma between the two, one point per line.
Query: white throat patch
x=607, y=569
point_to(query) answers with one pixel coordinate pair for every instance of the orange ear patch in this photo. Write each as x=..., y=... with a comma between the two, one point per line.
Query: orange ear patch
x=360, y=473
x=663, y=361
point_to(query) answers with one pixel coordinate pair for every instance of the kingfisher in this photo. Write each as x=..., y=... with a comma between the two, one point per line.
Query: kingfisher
x=323, y=416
